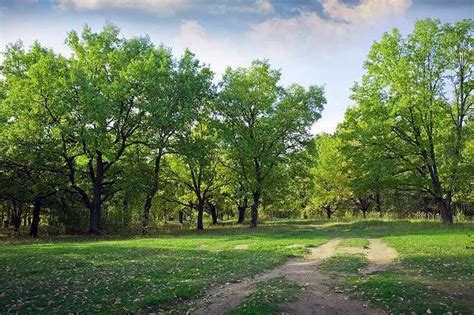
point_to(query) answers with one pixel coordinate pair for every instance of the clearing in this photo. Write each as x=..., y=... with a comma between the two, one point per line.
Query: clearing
x=294, y=267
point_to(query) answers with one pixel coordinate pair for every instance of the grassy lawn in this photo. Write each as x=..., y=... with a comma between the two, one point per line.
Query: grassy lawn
x=157, y=272
x=135, y=274
x=434, y=273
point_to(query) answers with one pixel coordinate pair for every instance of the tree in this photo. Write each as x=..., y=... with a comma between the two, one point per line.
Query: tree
x=263, y=123
x=91, y=103
x=421, y=122
x=197, y=166
x=330, y=177
x=369, y=170
x=175, y=91
x=29, y=157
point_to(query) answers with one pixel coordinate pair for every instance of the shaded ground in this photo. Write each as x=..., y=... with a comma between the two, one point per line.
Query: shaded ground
x=318, y=296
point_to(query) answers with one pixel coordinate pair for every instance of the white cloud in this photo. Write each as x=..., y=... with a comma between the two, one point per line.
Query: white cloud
x=309, y=30
x=192, y=33
x=304, y=27
x=219, y=51
x=265, y=6
x=168, y=6
x=366, y=11
x=158, y=6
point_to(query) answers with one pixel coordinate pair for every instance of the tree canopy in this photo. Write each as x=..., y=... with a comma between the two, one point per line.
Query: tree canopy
x=123, y=135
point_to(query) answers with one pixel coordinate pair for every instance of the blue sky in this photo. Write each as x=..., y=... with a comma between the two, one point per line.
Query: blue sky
x=320, y=42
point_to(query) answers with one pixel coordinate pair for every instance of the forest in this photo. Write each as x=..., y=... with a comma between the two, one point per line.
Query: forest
x=122, y=136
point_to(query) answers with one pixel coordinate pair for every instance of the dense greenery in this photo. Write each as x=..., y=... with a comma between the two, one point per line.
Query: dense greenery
x=121, y=136
x=407, y=143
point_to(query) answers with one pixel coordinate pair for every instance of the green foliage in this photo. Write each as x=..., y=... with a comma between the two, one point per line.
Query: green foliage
x=413, y=114
x=330, y=178
x=263, y=123
x=128, y=134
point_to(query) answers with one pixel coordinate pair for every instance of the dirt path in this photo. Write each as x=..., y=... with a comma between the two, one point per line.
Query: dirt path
x=318, y=296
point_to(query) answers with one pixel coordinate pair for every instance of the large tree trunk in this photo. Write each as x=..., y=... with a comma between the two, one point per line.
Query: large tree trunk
x=442, y=204
x=213, y=211
x=254, y=209
x=444, y=211
x=36, y=217
x=151, y=193
x=200, y=209
x=97, y=190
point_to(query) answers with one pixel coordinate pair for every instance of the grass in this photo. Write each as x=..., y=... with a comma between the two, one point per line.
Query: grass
x=346, y=263
x=136, y=274
x=354, y=242
x=434, y=272
x=118, y=275
x=266, y=297
x=401, y=295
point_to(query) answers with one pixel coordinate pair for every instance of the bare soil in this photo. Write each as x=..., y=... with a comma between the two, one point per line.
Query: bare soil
x=318, y=296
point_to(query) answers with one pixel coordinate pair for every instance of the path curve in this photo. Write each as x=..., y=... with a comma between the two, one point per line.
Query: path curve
x=318, y=296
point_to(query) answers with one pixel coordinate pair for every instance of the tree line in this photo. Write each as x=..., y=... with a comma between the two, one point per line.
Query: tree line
x=121, y=134
x=124, y=125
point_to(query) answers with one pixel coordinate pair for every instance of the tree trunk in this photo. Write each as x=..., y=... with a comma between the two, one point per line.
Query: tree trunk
x=328, y=212
x=36, y=217
x=442, y=204
x=378, y=203
x=213, y=210
x=444, y=211
x=151, y=193
x=97, y=190
x=200, y=209
x=242, y=207
x=241, y=218
x=181, y=216
x=426, y=207
x=364, y=206
x=254, y=209
x=16, y=220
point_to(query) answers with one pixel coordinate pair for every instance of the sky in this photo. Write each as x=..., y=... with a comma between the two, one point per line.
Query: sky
x=313, y=42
